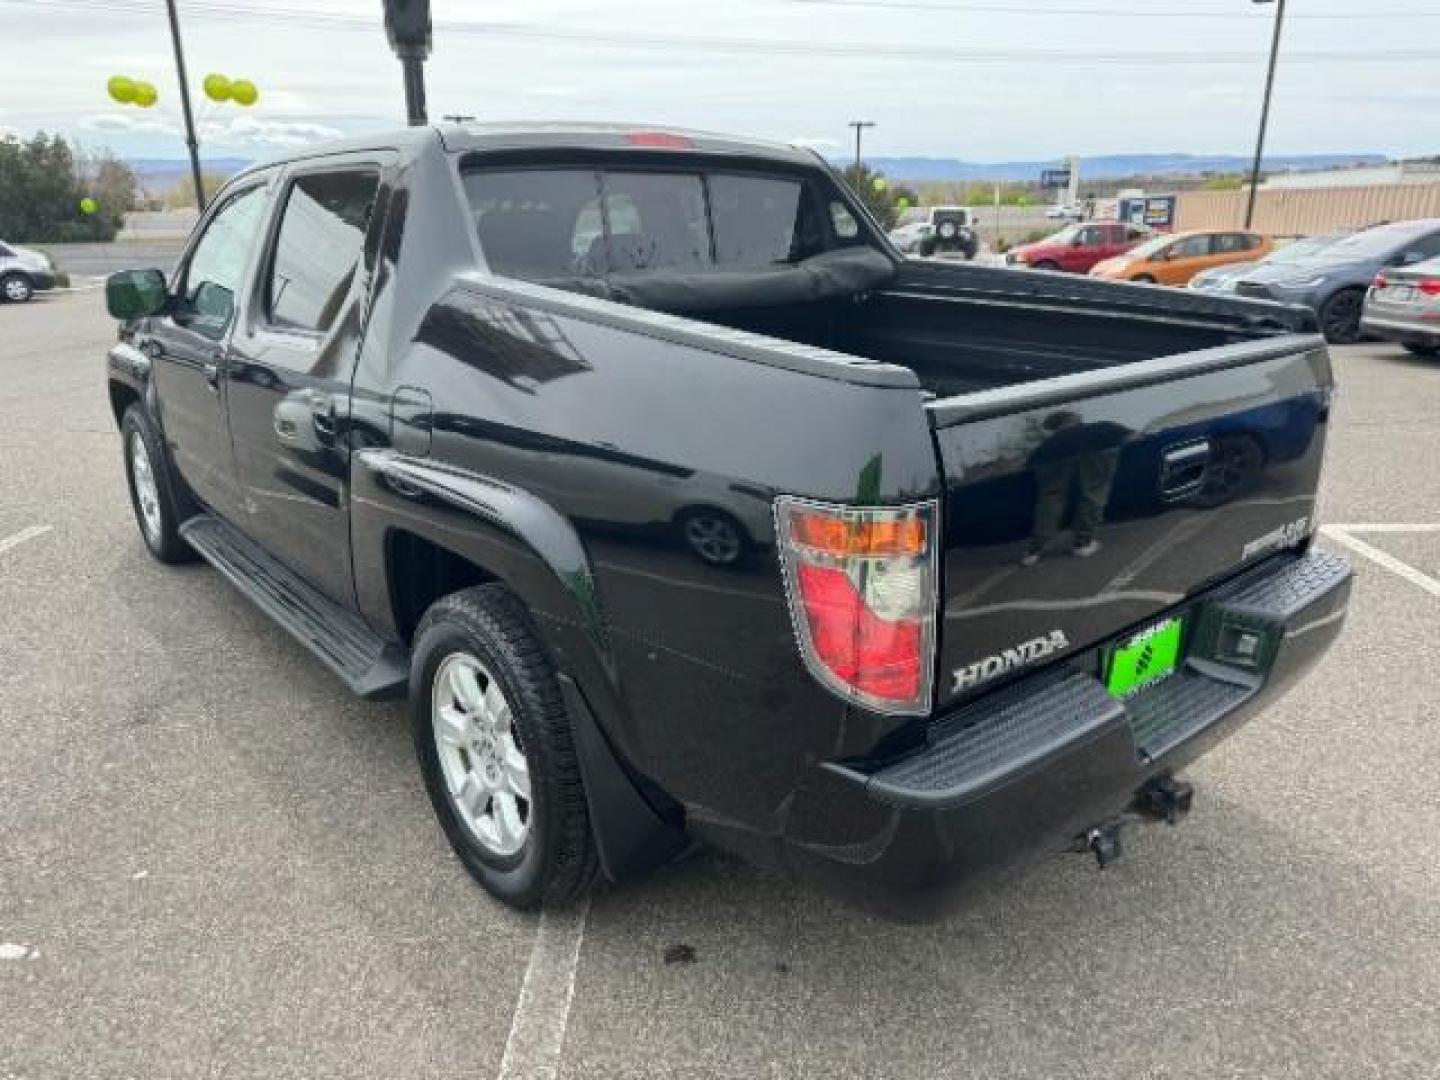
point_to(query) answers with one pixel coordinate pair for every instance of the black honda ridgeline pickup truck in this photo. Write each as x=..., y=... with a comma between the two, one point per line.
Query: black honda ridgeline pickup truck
x=682, y=507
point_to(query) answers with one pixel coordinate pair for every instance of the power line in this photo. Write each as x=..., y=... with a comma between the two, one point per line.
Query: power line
x=292, y=18
x=966, y=8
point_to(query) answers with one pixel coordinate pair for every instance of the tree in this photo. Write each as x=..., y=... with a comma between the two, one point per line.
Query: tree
x=1224, y=182
x=881, y=198
x=182, y=195
x=42, y=183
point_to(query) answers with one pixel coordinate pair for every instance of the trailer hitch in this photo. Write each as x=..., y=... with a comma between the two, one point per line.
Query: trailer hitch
x=1162, y=799
x=1165, y=799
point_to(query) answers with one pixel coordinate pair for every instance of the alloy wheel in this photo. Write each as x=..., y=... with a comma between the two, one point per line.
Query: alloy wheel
x=485, y=770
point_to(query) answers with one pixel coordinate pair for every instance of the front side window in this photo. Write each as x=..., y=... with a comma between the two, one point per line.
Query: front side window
x=318, y=248
x=216, y=269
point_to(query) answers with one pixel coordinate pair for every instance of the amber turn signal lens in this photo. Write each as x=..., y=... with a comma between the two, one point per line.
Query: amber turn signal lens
x=848, y=537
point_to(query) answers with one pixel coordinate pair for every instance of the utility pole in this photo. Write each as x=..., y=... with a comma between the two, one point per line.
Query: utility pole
x=1265, y=108
x=190, y=140
x=859, y=126
x=407, y=25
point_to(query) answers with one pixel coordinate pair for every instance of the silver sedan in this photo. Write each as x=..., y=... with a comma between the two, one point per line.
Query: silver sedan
x=1403, y=305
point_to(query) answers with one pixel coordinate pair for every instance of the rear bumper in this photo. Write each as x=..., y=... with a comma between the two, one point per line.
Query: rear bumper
x=1411, y=331
x=1030, y=768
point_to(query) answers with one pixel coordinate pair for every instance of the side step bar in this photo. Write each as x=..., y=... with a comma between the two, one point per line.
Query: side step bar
x=368, y=664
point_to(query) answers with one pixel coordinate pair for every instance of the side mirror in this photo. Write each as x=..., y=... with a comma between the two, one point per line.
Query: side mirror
x=133, y=294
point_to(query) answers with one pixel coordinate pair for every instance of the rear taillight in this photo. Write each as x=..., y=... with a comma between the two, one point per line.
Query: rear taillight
x=862, y=592
x=1429, y=286
x=1379, y=282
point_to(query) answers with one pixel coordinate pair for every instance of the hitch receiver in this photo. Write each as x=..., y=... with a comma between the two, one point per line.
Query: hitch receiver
x=1104, y=843
x=1165, y=799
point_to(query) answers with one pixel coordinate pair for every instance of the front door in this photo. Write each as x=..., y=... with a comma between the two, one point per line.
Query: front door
x=187, y=346
x=290, y=366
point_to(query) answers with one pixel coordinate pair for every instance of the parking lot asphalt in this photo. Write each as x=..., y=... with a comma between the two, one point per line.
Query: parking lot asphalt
x=213, y=862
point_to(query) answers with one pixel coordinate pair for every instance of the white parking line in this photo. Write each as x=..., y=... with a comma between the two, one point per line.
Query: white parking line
x=1343, y=535
x=537, y=1031
x=16, y=539
x=1389, y=527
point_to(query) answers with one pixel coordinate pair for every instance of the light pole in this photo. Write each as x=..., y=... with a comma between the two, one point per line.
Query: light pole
x=1265, y=108
x=190, y=141
x=859, y=126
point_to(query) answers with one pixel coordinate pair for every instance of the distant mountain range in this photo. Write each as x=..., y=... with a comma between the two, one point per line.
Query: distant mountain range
x=161, y=174
x=158, y=174
x=1104, y=166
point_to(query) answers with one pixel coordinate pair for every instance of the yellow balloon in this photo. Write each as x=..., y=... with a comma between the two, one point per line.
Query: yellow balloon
x=244, y=93
x=217, y=87
x=122, y=88
x=145, y=95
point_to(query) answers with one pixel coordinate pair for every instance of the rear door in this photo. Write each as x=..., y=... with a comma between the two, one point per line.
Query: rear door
x=1074, y=512
x=1185, y=258
x=288, y=380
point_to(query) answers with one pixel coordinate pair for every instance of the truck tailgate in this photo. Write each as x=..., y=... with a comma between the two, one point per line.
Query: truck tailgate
x=1077, y=508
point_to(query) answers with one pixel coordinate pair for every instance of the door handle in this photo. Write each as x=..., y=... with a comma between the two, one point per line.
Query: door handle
x=1183, y=468
x=211, y=367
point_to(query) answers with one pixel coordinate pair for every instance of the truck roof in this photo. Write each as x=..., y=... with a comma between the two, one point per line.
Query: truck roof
x=551, y=135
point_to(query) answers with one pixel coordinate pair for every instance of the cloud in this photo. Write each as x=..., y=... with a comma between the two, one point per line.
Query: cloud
x=136, y=123
x=815, y=142
x=250, y=131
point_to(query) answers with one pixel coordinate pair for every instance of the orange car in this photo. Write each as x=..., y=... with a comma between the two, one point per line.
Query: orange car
x=1173, y=259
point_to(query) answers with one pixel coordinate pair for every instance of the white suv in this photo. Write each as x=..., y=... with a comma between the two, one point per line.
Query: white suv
x=23, y=272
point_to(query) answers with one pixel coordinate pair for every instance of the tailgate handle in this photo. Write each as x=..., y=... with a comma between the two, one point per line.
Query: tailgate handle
x=1182, y=469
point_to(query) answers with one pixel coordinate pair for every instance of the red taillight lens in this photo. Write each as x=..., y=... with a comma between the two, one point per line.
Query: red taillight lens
x=862, y=590
x=1430, y=286
x=1379, y=282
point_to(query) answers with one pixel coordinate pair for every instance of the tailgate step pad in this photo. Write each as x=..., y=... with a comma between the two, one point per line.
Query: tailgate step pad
x=368, y=664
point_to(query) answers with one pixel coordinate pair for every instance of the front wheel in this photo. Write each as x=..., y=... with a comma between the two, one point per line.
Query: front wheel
x=497, y=752
x=1045, y=264
x=147, y=469
x=1340, y=317
x=16, y=288
x=1143, y=279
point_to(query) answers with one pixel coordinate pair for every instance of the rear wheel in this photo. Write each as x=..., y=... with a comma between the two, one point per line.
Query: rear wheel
x=16, y=288
x=1045, y=264
x=1429, y=352
x=147, y=469
x=1340, y=317
x=714, y=536
x=497, y=752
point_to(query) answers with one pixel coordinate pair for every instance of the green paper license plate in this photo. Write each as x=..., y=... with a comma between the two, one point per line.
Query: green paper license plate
x=1147, y=657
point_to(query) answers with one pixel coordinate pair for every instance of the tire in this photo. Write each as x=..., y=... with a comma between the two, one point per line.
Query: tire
x=16, y=288
x=147, y=474
x=1429, y=352
x=1340, y=317
x=524, y=849
x=947, y=230
x=1045, y=264
x=1143, y=279
x=714, y=536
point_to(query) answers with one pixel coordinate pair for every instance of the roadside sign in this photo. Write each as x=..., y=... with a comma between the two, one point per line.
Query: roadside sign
x=1055, y=178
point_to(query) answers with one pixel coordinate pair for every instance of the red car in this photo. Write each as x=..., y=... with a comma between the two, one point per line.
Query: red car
x=1078, y=247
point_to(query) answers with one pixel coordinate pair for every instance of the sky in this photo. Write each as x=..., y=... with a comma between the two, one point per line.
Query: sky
x=983, y=80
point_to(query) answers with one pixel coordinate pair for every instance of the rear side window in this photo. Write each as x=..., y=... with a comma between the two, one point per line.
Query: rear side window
x=1229, y=243
x=1192, y=247
x=318, y=249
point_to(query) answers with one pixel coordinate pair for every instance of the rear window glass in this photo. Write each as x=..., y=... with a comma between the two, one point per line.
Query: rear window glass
x=552, y=224
x=536, y=224
x=657, y=221
x=757, y=220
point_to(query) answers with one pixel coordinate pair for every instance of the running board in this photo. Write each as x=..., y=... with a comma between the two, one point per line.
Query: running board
x=368, y=664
